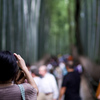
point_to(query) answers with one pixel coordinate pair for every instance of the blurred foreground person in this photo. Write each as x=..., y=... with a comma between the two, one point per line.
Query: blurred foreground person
x=48, y=83
x=37, y=79
x=71, y=84
x=9, y=72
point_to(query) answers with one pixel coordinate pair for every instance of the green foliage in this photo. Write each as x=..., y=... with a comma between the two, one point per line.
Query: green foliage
x=60, y=25
x=59, y=18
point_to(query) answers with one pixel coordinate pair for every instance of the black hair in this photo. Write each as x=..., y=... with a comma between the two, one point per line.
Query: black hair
x=8, y=66
x=70, y=64
x=27, y=64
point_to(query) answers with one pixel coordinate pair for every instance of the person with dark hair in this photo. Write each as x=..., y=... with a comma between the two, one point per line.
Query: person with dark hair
x=37, y=79
x=71, y=83
x=35, y=72
x=9, y=67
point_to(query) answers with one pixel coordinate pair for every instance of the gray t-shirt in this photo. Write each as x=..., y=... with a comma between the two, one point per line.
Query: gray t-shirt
x=13, y=92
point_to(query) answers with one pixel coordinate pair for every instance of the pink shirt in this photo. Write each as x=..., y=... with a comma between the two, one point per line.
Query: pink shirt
x=13, y=92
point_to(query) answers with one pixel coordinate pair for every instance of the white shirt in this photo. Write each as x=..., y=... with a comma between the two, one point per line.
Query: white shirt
x=49, y=85
x=38, y=82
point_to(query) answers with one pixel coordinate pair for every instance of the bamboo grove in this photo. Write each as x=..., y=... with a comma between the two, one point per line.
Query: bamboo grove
x=19, y=26
x=33, y=28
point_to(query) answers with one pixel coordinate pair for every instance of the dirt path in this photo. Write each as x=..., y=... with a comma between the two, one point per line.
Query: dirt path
x=85, y=92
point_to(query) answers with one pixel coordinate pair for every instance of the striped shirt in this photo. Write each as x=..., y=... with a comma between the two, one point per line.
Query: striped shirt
x=13, y=92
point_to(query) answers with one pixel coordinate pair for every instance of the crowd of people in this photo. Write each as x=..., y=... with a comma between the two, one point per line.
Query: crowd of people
x=59, y=79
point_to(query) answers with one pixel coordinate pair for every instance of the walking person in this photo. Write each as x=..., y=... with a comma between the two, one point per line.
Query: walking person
x=48, y=83
x=71, y=84
x=37, y=79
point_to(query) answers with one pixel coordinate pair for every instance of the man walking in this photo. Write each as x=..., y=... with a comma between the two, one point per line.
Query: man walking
x=71, y=84
x=48, y=83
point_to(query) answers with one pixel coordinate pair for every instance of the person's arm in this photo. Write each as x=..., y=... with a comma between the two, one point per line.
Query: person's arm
x=22, y=65
x=63, y=87
x=62, y=91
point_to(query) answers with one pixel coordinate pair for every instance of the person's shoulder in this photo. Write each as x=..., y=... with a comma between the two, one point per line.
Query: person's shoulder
x=65, y=76
x=29, y=89
x=37, y=78
x=30, y=92
x=50, y=75
x=77, y=73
